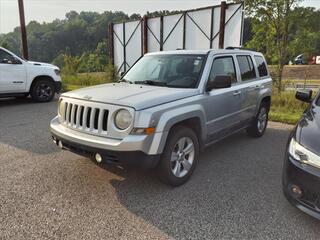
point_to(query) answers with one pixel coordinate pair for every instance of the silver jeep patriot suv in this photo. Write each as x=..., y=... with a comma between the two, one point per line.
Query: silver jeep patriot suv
x=167, y=108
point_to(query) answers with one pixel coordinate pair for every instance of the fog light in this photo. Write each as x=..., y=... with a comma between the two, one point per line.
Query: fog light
x=296, y=191
x=60, y=144
x=98, y=157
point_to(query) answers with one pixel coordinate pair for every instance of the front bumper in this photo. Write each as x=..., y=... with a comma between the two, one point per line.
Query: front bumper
x=307, y=178
x=133, y=150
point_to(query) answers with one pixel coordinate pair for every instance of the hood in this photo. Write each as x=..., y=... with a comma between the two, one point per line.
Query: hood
x=41, y=64
x=131, y=95
x=308, y=129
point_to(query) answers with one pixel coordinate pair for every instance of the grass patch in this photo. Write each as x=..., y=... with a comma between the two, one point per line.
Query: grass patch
x=289, y=118
x=73, y=82
x=286, y=108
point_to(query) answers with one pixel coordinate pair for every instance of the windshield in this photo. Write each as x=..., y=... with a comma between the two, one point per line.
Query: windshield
x=181, y=71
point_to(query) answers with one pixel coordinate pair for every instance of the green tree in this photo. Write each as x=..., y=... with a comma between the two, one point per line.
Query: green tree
x=304, y=32
x=271, y=23
x=71, y=65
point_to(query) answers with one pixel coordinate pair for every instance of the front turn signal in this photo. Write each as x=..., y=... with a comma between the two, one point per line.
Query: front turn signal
x=143, y=131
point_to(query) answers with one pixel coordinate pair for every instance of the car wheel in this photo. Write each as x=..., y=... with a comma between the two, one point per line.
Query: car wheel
x=42, y=91
x=259, y=124
x=180, y=156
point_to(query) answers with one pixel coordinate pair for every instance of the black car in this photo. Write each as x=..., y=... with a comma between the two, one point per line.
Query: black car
x=301, y=170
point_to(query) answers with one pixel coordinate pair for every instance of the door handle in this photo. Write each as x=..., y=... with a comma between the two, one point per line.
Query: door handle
x=236, y=93
x=17, y=81
x=258, y=87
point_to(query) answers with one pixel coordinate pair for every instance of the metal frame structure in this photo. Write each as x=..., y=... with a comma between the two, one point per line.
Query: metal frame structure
x=124, y=42
x=148, y=34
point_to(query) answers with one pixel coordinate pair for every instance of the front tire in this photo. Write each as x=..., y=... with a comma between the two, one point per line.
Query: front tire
x=180, y=156
x=42, y=91
x=260, y=122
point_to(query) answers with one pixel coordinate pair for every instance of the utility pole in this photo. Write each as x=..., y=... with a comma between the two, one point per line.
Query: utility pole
x=222, y=23
x=23, y=31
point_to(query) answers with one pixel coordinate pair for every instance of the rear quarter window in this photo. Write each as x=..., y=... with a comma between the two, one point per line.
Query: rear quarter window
x=262, y=66
x=246, y=67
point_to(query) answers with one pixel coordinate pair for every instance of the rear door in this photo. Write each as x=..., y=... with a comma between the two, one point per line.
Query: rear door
x=12, y=74
x=223, y=105
x=249, y=87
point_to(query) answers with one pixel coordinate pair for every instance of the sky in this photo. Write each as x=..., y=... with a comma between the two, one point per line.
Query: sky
x=48, y=10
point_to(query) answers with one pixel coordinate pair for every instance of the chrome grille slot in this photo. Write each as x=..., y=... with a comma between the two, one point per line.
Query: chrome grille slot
x=74, y=114
x=65, y=111
x=104, y=120
x=96, y=118
x=88, y=117
x=80, y=118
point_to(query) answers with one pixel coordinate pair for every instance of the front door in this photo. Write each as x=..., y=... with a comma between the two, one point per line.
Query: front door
x=223, y=105
x=12, y=74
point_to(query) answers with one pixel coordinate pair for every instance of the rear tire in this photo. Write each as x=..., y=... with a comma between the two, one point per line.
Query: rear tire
x=42, y=91
x=180, y=156
x=260, y=122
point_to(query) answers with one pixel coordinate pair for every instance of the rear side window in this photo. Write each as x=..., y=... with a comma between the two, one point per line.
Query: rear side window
x=246, y=68
x=5, y=57
x=262, y=66
x=223, y=66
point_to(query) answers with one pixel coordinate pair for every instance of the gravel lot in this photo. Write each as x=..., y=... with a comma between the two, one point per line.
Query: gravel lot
x=46, y=193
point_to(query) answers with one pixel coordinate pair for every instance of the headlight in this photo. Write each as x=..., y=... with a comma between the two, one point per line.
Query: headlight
x=302, y=154
x=57, y=71
x=61, y=108
x=123, y=119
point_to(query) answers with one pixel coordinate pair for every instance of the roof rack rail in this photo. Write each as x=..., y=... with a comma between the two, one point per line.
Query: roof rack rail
x=232, y=48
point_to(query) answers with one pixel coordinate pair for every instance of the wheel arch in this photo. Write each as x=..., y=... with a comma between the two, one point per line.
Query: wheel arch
x=38, y=78
x=267, y=100
x=194, y=119
x=194, y=124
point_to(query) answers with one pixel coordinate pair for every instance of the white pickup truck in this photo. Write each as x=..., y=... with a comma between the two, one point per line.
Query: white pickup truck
x=21, y=78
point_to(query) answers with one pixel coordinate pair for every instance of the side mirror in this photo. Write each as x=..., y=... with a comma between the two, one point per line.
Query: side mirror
x=219, y=81
x=16, y=61
x=304, y=95
x=6, y=61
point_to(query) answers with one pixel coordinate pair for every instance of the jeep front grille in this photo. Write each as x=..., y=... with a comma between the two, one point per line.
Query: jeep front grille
x=85, y=118
x=90, y=117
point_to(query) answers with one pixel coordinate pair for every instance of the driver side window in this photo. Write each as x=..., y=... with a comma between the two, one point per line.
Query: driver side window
x=6, y=58
x=224, y=66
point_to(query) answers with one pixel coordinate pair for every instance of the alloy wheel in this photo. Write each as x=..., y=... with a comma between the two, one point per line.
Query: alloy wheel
x=44, y=92
x=182, y=157
x=262, y=119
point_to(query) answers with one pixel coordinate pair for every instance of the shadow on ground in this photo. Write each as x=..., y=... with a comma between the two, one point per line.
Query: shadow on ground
x=235, y=192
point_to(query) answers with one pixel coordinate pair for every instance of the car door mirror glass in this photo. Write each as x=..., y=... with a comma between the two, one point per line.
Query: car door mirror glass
x=219, y=81
x=16, y=61
x=304, y=95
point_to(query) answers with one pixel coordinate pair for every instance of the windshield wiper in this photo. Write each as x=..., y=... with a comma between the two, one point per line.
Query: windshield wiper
x=124, y=80
x=151, y=82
